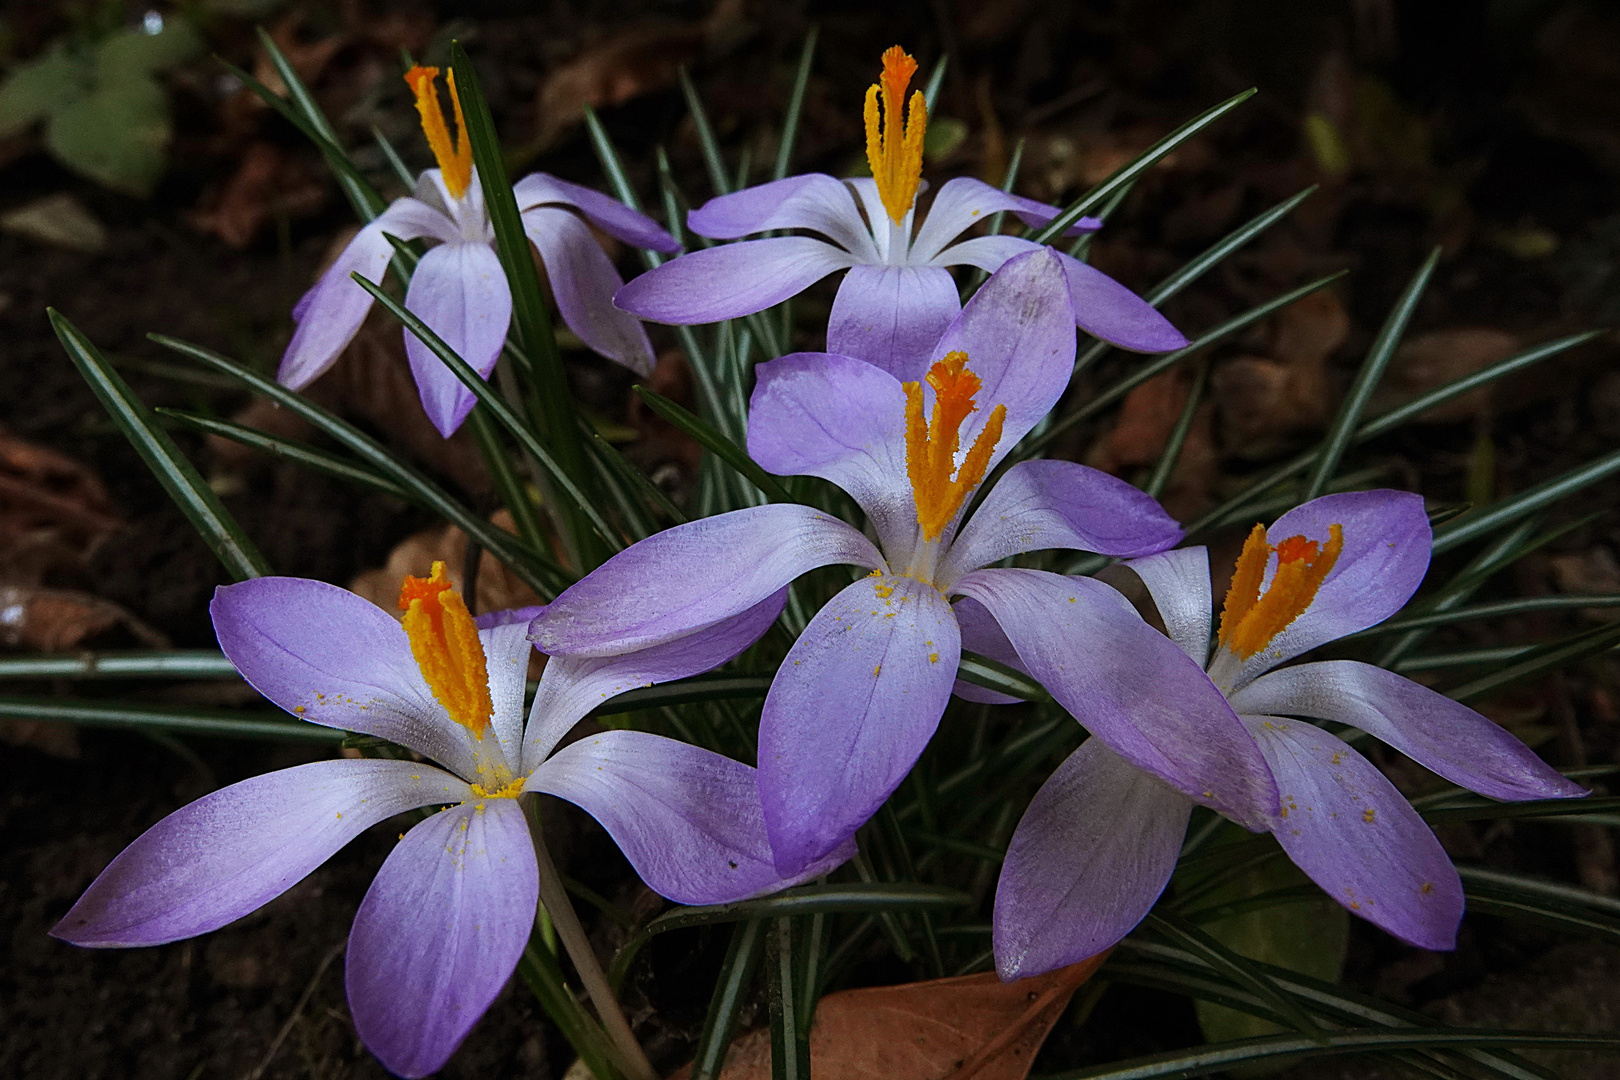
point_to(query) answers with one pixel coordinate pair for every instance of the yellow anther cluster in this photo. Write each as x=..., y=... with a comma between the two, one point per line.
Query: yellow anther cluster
x=931, y=445
x=510, y=791
x=445, y=642
x=454, y=156
x=1250, y=620
x=894, y=149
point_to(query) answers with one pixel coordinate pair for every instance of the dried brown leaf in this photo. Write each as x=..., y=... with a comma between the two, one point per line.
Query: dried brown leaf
x=1433, y=359
x=269, y=184
x=55, y=620
x=54, y=512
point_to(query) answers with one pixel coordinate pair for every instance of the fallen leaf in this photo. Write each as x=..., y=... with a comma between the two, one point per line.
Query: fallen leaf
x=1436, y=358
x=973, y=1027
x=56, y=620
x=59, y=220
x=269, y=184
x=54, y=512
x=1263, y=397
x=1587, y=573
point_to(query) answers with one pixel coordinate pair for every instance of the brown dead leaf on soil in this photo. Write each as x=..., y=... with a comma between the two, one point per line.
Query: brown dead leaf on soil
x=1433, y=359
x=54, y=512
x=973, y=1027
x=270, y=184
x=1285, y=391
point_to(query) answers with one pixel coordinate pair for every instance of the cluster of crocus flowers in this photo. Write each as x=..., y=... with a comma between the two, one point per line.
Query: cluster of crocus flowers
x=447, y=917
x=898, y=296
x=1100, y=839
x=459, y=289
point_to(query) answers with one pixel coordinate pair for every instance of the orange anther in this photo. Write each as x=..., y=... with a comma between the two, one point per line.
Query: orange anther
x=454, y=156
x=444, y=641
x=894, y=148
x=1249, y=620
x=931, y=445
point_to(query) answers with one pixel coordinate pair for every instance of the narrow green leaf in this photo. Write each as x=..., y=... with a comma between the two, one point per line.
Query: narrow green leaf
x=1542, y=660
x=712, y=158
x=230, y=725
x=1236, y=968
x=173, y=470
x=790, y=1037
x=174, y=664
x=1342, y=431
x=402, y=172
x=994, y=675
x=514, y=492
x=716, y=443
x=1487, y=520
x=1474, y=808
x=936, y=79
x=539, y=970
x=720, y=1022
x=1499, y=609
x=1171, y=454
x=790, y=119
x=1438, y=661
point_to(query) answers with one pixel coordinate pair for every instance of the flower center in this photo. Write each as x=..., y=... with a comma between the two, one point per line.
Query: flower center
x=445, y=642
x=1250, y=620
x=454, y=157
x=931, y=445
x=510, y=791
x=895, y=150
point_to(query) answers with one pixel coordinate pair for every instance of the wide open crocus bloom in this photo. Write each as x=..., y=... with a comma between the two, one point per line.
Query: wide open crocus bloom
x=446, y=918
x=863, y=688
x=459, y=289
x=1100, y=839
x=898, y=296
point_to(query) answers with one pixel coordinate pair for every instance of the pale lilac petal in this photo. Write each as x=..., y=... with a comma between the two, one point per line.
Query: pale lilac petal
x=694, y=575
x=892, y=315
x=988, y=253
x=800, y=423
x=330, y=313
x=983, y=635
x=687, y=819
x=1178, y=581
x=965, y=202
x=1347, y=827
x=228, y=853
x=1387, y=540
x=467, y=211
x=852, y=706
x=1093, y=852
x=439, y=933
x=1444, y=736
x=608, y=214
x=1110, y=312
x=877, y=215
x=731, y=280
x=574, y=685
x=332, y=658
x=1130, y=686
x=460, y=292
x=584, y=280
x=813, y=201
x=1018, y=334
x=507, y=649
x=1059, y=504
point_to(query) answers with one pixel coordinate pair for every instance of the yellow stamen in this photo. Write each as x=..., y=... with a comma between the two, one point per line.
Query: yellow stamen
x=1250, y=620
x=446, y=646
x=895, y=151
x=454, y=157
x=931, y=446
x=510, y=791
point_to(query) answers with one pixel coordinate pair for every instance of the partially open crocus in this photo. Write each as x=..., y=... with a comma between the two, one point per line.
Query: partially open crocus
x=898, y=296
x=458, y=288
x=862, y=690
x=444, y=922
x=1100, y=839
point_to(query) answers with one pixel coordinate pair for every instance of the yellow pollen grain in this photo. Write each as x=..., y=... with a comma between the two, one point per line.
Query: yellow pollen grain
x=510, y=791
x=1427, y=888
x=878, y=670
x=931, y=444
x=933, y=658
x=445, y=643
x=1368, y=815
x=894, y=148
x=454, y=156
x=1250, y=619
x=884, y=591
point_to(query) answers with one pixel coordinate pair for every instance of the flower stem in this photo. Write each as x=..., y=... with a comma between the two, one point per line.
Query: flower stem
x=554, y=898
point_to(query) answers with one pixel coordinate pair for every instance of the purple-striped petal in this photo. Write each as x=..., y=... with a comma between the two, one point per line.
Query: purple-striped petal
x=1178, y=581
x=227, y=854
x=687, y=819
x=814, y=201
x=800, y=423
x=852, y=706
x=583, y=280
x=574, y=685
x=1059, y=504
x=1130, y=686
x=1110, y=312
x=965, y=202
x=891, y=316
x=1347, y=827
x=1093, y=852
x=609, y=215
x=982, y=634
x=1442, y=735
x=692, y=576
x=1387, y=540
x=439, y=932
x=330, y=313
x=731, y=280
x=332, y=658
x=460, y=292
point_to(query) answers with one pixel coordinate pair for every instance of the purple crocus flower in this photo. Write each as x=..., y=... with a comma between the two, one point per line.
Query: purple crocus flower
x=898, y=296
x=445, y=920
x=1101, y=838
x=459, y=288
x=863, y=688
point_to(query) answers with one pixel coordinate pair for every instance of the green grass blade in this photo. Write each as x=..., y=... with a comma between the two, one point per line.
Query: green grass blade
x=173, y=470
x=1538, y=890
x=936, y=79
x=1485, y=521
x=713, y=160
x=219, y=723
x=172, y=664
x=1342, y=431
x=402, y=172
x=1237, y=968
x=994, y=675
x=720, y=1022
x=790, y=119
x=1126, y=174
x=537, y=571
x=514, y=492
x=539, y=970
x=790, y=1037
x=1480, y=809
x=1178, y=435
x=716, y=443
x=292, y=450
x=1542, y=660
